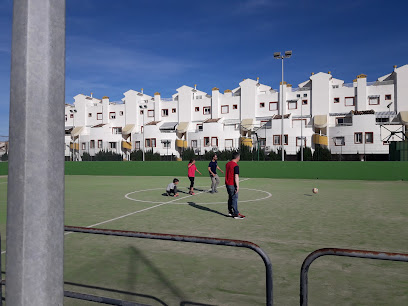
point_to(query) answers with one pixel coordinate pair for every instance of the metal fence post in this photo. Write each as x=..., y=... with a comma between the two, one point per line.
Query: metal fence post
x=35, y=204
x=340, y=252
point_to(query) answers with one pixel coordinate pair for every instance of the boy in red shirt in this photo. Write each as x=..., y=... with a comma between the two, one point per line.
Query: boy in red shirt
x=191, y=175
x=232, y=184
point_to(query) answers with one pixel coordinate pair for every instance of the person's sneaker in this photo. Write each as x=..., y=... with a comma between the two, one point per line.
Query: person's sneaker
x=192, y=193
x=216, y=191
x=176, y=195
x=230, y=214
x=211, y=191
x=239, y=216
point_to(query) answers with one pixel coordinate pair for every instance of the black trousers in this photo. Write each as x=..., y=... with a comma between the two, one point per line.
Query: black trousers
x=172, y=191
x=191, y=178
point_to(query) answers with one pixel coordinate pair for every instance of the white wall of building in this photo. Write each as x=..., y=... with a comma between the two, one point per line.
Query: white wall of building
x=320, y=94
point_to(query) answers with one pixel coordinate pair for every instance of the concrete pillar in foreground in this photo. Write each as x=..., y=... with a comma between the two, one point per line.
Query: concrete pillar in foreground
x=35, y=204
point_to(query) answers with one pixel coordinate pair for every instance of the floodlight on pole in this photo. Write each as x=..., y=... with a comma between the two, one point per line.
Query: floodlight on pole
x=143, y=107
x=278, y=55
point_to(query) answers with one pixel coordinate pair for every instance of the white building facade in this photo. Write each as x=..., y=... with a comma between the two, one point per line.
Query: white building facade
x=356, y=118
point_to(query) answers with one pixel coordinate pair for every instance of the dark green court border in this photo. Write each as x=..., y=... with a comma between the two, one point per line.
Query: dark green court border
x=381, y=171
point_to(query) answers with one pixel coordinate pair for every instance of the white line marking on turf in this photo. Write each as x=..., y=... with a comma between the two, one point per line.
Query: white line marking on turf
x=268, y=195
x=142, y=210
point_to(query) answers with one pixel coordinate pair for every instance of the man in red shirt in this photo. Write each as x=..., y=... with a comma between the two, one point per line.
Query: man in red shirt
x=232, y=184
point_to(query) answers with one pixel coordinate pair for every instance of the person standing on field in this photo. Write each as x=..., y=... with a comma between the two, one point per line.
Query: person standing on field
x=191, y=175
x=212, y=169
x=232, y=184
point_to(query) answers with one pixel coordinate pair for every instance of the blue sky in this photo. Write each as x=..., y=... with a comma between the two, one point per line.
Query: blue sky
x=114, y=46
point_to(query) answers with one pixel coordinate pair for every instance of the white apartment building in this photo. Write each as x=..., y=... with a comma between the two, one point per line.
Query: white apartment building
x=349, y=118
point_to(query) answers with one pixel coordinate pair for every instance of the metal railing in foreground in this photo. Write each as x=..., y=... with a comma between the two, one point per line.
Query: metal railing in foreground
x=191, y=239
x=340, y=252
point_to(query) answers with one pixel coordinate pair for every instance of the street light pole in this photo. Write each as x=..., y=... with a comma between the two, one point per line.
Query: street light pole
x=282, y=114
x=301, y=130
x=278, y=55
x=143, y=108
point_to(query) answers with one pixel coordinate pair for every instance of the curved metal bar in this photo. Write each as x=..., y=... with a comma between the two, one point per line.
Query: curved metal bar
x=191, y=239
x=340, y=252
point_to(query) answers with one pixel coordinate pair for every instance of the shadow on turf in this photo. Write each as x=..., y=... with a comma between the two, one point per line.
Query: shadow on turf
x=138, y=255
x=192, y=204
x=308, y=195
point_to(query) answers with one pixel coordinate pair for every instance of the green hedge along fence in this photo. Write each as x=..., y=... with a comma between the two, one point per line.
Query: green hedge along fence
x=382, y=171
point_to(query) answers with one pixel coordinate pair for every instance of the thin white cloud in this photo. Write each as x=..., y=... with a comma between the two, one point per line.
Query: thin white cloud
x=119, y=60
x=256, y=6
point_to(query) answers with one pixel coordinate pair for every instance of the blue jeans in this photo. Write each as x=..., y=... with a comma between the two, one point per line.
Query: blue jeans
x=232, y=200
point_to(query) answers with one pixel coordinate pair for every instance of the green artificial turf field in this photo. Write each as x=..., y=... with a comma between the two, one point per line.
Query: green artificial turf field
x=283, y=217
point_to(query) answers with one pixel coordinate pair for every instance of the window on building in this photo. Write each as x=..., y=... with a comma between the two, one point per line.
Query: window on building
x=137, y=145
x=343, y=121
x=286, y=139
x=228, y=143
x=340, y=120
x=339, y=141
x=166, y=144
x=71, y=116
x=117, y=130
x=273, y=106
x=197, y=109
x=382, y=120
x=335, y=86
x=141, y=112
x=235, y=106
x=66, y=118
x=206, y=141
x=292, y=105
x=206, y=110
x=165, y=112
x=89, y=115
x=173, y=110
x=112, y=115
x=194, y=143
x=141, y=129
x=298, y=96
x=305, y=95
x=199, y=97
x=121, y=113
x=387, y=97
x=262, y=142
x=349, y=101
x=112, y=145
x=224, y=109
x=358, y=137
x=214, y=141
x=92, y=144
x=369, y=137
x=336, y=100
x=299, y=141
x=304, y=102
x=99, y=116
x=99, y=144
x=262, y=104
x=150, y=142
x=83, y=145
x=276, y=140
x=374, y=100
x=199, y=127
x=150, y=113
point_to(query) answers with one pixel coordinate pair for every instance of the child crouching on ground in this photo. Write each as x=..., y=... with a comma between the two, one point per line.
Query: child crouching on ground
x=171, y=189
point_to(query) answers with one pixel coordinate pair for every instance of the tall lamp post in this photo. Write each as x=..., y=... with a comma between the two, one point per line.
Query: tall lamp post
x=301, y=129
x=278, y=55
x=73, y=112
x=143, y=108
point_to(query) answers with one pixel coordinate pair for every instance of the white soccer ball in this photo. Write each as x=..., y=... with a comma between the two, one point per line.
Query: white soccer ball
x=315, y=190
